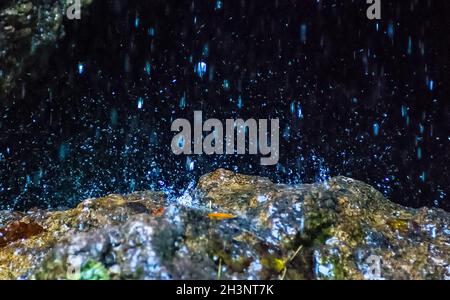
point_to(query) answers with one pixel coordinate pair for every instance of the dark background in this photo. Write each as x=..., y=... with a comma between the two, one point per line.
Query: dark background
x=360, y=98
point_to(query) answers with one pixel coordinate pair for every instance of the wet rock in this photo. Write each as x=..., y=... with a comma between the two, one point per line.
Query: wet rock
x=17, y=230
x=339, y=229
x=29, y=30
x=20, y=257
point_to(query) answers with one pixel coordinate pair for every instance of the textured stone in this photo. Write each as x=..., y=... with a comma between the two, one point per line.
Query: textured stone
x=339, y=229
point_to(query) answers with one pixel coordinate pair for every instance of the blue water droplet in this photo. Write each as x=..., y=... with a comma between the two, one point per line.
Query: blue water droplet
x=200, y=69
x=132, y=185
x=140, y=103
x=137, y=22
x=206, y=50
x=181, y=142
x=62, y=152
x=240, y=103
x=303, y=33
x=409, y=45
x=80, y=68
x=219, y=4
x=226, y=85
x=423, y=176
x=404, y=111
x=183, y=102
x=391, y=30
x=431, y=85
x=376, y=129
x=114, y=117
x=148, y=68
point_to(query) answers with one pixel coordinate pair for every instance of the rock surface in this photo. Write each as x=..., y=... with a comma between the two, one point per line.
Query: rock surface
x=29, y=29
x=230, y=226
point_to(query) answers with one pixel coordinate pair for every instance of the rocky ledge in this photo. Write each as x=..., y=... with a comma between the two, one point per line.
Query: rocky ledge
x=230, y=226
x=29, y=31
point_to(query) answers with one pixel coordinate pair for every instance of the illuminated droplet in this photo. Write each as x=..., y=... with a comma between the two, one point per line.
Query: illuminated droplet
x=226, y=85
x=80, y=68
x=140, y=103
x=137, y=22
x=183, y=102
x=148, y=68
x=240, y=103
x=303, y=33
x=219, y=4
x=200, y=69
x=376, y=129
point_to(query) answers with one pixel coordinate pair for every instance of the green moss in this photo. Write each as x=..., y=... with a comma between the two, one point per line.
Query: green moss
x=338, y=268
x=93, y=270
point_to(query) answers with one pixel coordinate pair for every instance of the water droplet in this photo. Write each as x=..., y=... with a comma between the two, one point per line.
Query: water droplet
x=240, y=103
x=114, y=117
x=303, y=33
x=376, y=129
x=409, y=45
x=151, y=31
x=431, y=85
x=219, y=4
x=62, y=152
x=137, y=22
x=148, y=68
x=200, y=69
x=226, y=85
x=206, y=50
x=80, y=68
x=391, y=30
x=183, y=102
x=140, y=103
x=423, y=176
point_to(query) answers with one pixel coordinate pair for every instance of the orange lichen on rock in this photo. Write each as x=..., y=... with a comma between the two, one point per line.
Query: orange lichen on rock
x=158, y=212
x=220, y=216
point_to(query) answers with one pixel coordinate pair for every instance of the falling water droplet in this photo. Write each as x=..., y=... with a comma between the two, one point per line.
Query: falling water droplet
x=423, y=176
x=409, y=45
x=200, y=69
x=114, y=117
x=391, y=30
x=80, y=68
x=226, y=85
x=240, y=103
x=137, y=22
x=183, y=102
x=376, y=129
x=148, y=68
x=181, y=142
x=140, y=103
x=62, y=152
x=151, y=31
x=219, y=5
x=303, y=33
